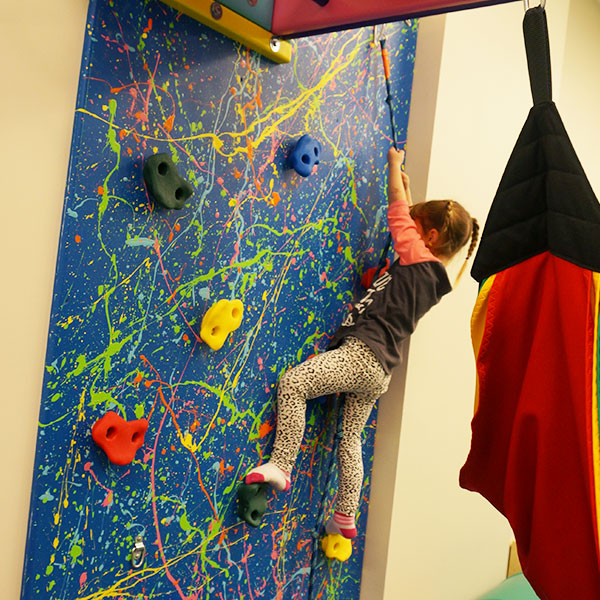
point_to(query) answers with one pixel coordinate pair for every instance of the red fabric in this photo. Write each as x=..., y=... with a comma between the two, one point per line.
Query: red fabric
x=367, y=279
x=531, y=453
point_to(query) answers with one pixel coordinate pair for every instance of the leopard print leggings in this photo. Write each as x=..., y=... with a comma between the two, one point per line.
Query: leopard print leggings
x=352, y=368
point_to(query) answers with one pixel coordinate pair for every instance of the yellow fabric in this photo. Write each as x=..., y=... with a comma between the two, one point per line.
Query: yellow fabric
x=478, y=319
x=594, y=401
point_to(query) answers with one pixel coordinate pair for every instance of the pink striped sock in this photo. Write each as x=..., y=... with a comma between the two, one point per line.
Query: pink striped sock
x=342, y=525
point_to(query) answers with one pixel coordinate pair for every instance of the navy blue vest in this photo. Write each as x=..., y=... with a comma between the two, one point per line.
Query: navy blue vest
x=391, y=308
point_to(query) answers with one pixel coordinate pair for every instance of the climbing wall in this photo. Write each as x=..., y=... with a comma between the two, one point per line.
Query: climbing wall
x=134, y=280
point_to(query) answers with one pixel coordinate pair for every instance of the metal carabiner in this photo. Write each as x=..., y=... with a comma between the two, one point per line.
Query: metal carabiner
x=527, y=7
x=138, y=554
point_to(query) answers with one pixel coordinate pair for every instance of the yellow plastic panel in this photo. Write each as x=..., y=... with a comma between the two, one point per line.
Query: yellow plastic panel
x=229, y=23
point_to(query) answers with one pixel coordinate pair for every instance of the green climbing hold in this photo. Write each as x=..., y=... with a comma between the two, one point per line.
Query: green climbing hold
x=252, y=502
x=164, y=183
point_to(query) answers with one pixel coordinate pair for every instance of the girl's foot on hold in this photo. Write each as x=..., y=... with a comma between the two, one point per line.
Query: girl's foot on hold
x=342, y=525
x=271, y=474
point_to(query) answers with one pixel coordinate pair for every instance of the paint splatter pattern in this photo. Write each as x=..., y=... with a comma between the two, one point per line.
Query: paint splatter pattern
x=134, y=280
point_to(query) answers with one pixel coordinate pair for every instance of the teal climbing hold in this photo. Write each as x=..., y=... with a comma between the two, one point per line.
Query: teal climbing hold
x=164, y=183
x=252, y=502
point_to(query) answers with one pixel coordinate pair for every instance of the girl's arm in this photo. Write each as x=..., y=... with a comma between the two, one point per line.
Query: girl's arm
x=398, y=182
x=408, y=244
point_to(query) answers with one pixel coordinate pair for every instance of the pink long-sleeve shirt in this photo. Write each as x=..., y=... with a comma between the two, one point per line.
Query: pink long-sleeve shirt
x=408, y=244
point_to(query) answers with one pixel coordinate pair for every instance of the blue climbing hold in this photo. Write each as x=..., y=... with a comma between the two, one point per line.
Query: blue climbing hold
x=305, y=155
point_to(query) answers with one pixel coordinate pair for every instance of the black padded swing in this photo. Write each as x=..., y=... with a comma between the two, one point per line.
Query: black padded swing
x=535, y=452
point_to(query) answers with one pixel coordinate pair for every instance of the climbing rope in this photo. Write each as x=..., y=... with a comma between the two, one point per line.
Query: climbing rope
x=339, y=402
x=385, y=57
x=387, y=75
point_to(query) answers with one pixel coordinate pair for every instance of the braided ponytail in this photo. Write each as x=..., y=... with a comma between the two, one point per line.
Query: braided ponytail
x=448, y=215
x=474, y=238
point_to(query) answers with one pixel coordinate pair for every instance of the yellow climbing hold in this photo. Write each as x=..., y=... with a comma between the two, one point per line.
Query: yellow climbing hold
x=220, y=320
x=336, y=546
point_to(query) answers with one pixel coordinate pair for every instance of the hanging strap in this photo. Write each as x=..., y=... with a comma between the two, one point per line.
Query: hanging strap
x=535, y=30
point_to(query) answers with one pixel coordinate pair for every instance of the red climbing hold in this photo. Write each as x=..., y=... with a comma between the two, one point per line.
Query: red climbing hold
x=367, y=278
x=120, y=439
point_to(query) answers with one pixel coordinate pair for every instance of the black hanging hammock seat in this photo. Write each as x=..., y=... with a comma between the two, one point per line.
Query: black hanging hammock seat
x=535, y=451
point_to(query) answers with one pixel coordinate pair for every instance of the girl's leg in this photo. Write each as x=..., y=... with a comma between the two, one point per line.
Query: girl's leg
x=357, y=409
x=332, y=372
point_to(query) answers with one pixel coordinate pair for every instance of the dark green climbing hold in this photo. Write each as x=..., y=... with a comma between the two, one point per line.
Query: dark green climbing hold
x=252, y=502
x=164, y=183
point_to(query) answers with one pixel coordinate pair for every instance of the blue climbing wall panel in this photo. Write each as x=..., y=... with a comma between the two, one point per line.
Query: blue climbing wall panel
x=133, y=282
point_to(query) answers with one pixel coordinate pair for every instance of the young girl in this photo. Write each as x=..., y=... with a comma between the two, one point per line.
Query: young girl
x=366, y=347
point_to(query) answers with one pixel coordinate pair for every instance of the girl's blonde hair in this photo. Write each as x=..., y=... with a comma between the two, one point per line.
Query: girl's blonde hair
x=454, y=224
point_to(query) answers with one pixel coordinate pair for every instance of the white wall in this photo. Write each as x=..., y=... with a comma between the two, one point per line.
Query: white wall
x=40, y=46
x=579, y=101
x=446, y=542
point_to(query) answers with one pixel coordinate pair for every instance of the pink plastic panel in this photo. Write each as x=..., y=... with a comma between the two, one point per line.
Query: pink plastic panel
x=295, y=18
